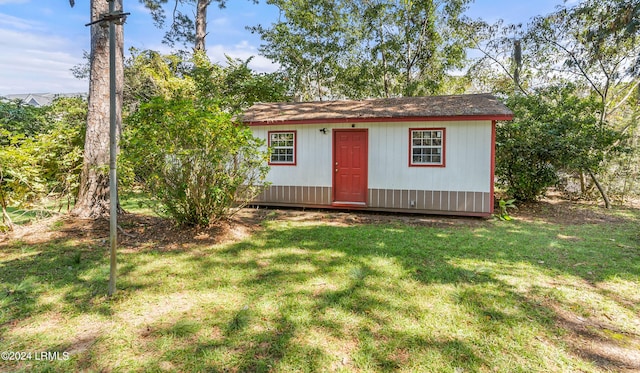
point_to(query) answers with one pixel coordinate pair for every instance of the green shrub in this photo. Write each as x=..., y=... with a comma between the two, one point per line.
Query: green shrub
x=554, y=129
x=41, y=155
x=20, y=181
x=193, y=159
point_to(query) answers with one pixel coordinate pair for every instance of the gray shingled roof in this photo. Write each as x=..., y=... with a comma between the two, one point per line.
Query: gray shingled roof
x=40, y=99
x=481, y=105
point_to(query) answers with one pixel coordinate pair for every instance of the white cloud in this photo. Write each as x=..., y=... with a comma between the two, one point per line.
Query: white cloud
x=36, y=57
x=2, y=2
x=18, y=23
x=139, y=8
x=33, y=60
x=220, y=22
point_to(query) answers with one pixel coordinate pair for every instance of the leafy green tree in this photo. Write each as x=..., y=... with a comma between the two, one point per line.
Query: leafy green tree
x=576, y=42
x=46, y=163
x=497, y=69
x=553, y=129
x=18, y=117
x=311, y=42
x=523, y=159
x=194, y=159
x=20, y=181
x=596, y=44
x=199, y=163
x=235, y=86
x=59, y=150
x=611, y=20
x=593, y=45
x=359, y=48
x=20, y=173
x=149, y=74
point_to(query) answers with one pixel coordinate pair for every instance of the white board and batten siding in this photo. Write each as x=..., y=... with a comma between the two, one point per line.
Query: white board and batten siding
x=462, y=186
x=314, y=153
x=467, y=167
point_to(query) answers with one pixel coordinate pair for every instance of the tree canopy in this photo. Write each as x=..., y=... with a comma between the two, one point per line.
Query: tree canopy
x=357, y=49
x=594, y=48
x=553, y=130
x=185, y=29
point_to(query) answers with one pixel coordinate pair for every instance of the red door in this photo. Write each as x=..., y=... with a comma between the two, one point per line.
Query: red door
x=350, y=166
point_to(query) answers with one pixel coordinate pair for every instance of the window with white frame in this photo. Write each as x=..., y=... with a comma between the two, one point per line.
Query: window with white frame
x=427, y=147
x=283, y=147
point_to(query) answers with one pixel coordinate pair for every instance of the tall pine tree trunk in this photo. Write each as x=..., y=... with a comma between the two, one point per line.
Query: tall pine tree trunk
x=93, y=195
x=201, y=24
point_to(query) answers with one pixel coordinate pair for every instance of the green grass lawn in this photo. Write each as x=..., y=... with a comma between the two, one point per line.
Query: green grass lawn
x=21, y=216
x=321, y=294
x=131, y=201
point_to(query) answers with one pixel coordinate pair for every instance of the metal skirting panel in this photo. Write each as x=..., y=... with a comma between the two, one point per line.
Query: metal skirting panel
x=426, y=201
x=303, y=195
x=450, y=201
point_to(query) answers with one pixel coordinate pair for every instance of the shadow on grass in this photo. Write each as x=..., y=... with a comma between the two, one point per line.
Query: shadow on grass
x=320, y=297
x=75, y=266
x=431, y=256
x=56, y=265
x=427, y=252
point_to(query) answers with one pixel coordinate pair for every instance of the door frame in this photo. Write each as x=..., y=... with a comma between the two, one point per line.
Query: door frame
x=334, y=133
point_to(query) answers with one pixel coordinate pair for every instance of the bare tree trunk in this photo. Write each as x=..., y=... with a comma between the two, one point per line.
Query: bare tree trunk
x=6, y=219
x=201, y=24
x=93, y=195
x=385, y=77
x=517, y=59
x=603, y=193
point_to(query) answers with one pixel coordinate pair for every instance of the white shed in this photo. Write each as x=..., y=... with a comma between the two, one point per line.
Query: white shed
x=413, y=154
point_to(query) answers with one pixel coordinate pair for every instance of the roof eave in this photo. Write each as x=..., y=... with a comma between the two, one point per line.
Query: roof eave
x=492, y=117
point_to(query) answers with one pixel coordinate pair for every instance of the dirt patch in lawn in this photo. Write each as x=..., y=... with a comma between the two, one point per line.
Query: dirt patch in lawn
x=549, y=210
x=140, y=231
x=597, y=341
x=347, y=218
x=135, y=231
x=558, y=211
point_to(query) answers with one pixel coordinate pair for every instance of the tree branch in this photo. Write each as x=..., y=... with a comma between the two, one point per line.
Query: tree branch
x=578, y=64
x=486, y=54
x=625, y=98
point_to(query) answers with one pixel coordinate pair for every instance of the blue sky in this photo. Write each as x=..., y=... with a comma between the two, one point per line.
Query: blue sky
x=41, y=40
